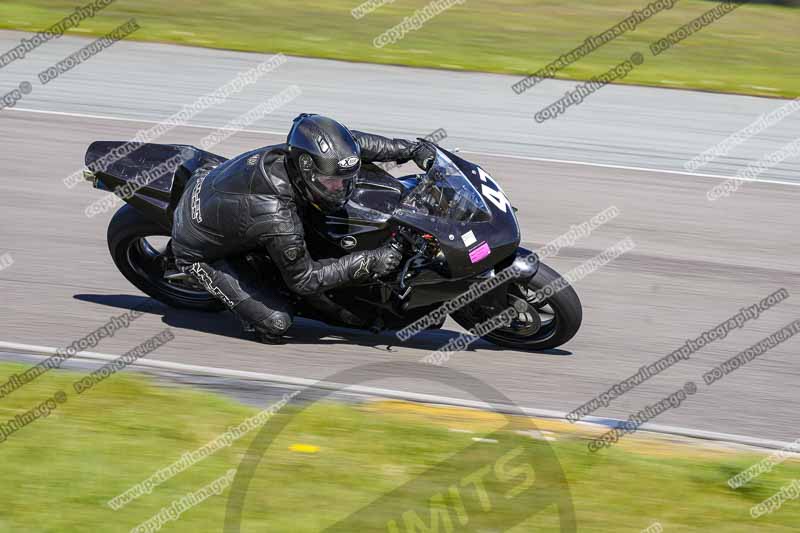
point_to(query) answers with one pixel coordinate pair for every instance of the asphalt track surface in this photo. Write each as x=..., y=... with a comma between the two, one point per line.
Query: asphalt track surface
x=695, y=262
x=618, y=125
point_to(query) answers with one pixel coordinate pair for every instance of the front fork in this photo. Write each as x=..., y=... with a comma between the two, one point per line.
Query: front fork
x=513, y=290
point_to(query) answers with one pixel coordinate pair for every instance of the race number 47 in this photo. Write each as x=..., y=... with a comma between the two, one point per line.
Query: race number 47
x=492, y=191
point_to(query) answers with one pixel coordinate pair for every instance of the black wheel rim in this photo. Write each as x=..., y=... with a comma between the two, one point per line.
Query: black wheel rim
x=519, y=331
x=148, y=262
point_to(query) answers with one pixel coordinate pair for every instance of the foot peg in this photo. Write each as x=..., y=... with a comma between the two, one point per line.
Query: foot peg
x=176, y=276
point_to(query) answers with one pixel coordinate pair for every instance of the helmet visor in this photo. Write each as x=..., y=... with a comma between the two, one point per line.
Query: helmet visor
x=332, y=190
x=336, y=184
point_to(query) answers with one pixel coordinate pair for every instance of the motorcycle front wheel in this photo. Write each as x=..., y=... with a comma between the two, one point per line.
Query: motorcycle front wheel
x=557, y=308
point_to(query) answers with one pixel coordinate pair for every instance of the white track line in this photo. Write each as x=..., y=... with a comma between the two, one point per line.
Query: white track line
x=505, y=156
x=400, y=395
x=640, y=169
x=138, y=120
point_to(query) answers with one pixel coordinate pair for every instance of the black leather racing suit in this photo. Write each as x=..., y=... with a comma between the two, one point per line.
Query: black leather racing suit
x=248, y=204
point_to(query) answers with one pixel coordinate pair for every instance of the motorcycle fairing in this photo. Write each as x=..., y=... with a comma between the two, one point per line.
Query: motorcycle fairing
x=376, y=207
x=159, y=196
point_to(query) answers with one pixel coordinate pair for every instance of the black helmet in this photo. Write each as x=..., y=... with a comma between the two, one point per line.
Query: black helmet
x=324, y=161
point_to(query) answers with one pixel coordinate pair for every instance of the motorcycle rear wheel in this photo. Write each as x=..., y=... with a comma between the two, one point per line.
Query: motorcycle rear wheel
x=137, y=247
x=560, y=313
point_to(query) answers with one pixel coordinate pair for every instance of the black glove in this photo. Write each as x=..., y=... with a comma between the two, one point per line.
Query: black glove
x=381, y=261
x=424, y=154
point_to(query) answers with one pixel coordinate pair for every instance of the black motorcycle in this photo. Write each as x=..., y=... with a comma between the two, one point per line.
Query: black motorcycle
x=457, y=230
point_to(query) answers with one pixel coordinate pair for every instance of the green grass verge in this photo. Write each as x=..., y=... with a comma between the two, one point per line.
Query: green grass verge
x=753, y=50
x=59, y=472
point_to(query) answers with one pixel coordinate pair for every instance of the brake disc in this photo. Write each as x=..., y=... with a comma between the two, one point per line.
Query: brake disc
x=527, y=318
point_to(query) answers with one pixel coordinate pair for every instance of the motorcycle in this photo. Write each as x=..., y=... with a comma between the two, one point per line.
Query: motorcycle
x=457, y=230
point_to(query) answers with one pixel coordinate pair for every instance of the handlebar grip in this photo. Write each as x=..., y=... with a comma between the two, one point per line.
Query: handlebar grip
x=395, y=243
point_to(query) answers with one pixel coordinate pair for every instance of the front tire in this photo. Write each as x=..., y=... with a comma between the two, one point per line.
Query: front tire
x=560, y=313
x=131, y=241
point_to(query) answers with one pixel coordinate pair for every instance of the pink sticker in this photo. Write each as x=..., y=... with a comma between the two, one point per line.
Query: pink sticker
x=479, y=253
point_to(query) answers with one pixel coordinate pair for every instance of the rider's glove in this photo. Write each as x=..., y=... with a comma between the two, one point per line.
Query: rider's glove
x=378, y=262
x=424, y=155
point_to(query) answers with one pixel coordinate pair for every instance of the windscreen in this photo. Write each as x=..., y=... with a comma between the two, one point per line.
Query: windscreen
x=445, y=192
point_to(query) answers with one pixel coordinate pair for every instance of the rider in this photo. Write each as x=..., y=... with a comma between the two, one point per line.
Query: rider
x=260, y=200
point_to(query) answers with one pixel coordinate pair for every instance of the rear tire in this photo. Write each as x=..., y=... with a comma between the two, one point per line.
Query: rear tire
x=144, y=266
x=567, y=315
